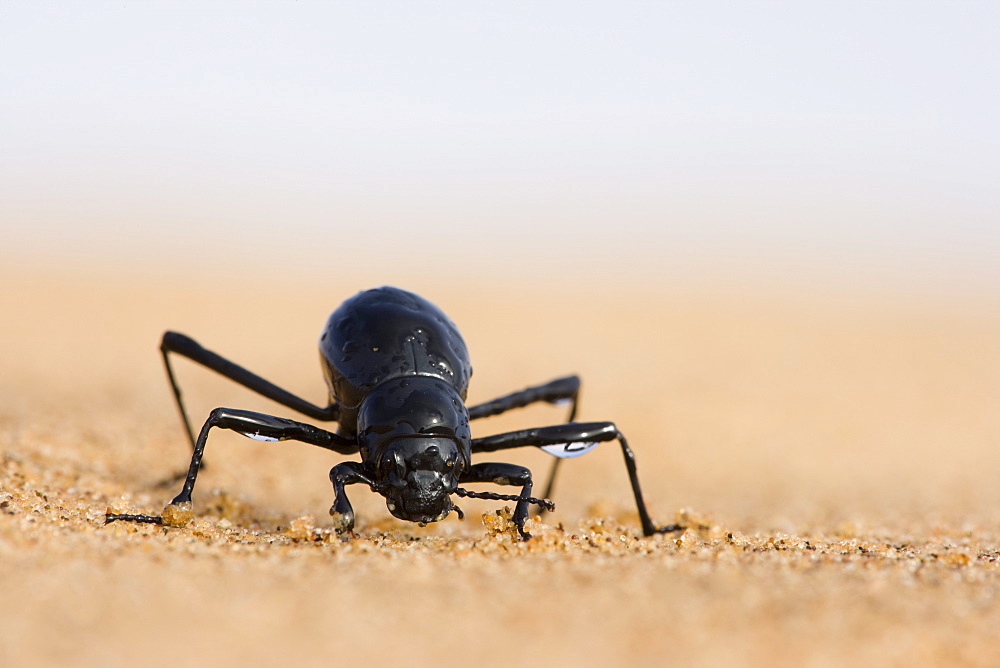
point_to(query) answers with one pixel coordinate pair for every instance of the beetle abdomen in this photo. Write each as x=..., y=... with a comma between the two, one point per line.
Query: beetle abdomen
x=388, y=333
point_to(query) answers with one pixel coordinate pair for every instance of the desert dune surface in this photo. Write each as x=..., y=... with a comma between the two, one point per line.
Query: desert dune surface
x=834, y=457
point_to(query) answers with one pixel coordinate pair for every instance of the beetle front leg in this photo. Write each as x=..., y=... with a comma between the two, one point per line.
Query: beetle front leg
x=505, y=474
x=347, y=473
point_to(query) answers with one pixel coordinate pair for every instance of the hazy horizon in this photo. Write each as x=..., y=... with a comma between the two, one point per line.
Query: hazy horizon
x=854, y=140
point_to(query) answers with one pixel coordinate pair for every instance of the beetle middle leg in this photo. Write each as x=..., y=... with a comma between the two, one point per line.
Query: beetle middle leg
x=253, y=425
x=577, y=432
x=555, y=391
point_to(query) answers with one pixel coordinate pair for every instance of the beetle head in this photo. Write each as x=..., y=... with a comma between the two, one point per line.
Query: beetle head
x=414, y=436
x=418, y=474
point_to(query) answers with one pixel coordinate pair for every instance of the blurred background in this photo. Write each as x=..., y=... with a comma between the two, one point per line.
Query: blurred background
x=845, y=144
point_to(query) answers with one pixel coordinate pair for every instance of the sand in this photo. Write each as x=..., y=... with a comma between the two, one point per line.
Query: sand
x=835, y=457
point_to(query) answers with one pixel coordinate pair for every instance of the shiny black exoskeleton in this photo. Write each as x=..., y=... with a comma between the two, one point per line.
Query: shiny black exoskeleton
x=398, y=372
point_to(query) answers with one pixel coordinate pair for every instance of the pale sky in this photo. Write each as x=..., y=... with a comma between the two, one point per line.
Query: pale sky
x=845, y=138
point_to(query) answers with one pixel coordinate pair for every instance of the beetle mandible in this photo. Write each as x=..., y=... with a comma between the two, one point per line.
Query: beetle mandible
x=398, y=372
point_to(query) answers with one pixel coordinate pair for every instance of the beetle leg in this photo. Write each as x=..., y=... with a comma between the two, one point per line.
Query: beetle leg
x=577, y=432
x=556, y=391
x=253, y=425
x=561, y=389
x=347, y=473
x=505, y=474
x=175, y=342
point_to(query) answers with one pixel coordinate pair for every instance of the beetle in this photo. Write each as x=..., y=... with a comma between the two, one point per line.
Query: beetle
x=398, y=372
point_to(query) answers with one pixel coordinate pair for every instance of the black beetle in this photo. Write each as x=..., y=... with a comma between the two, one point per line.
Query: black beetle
x=398, y=373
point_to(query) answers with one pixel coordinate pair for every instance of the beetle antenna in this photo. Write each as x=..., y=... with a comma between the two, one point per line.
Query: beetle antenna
x=145, y=519
x=493, y=496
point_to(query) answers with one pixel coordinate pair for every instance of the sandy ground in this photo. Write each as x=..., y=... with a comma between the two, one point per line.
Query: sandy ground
x=835, y=456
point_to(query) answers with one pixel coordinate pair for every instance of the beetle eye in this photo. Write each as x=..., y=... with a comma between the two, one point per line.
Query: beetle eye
x=391, y=463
